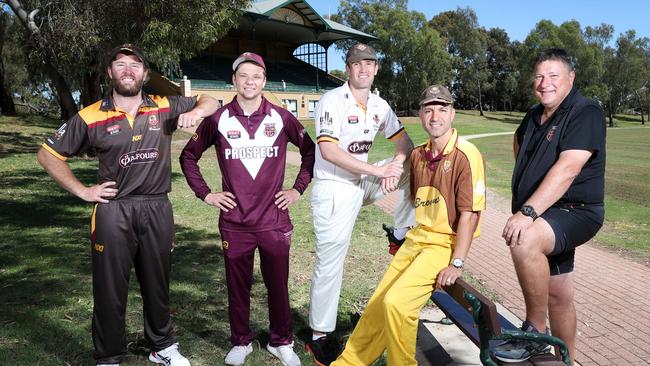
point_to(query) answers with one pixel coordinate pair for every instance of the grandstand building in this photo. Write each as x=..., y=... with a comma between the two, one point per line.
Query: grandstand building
x=292, y=38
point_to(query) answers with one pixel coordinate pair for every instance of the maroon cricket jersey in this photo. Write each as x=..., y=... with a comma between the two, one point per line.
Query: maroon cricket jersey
x=133, y=151
x=251, y=151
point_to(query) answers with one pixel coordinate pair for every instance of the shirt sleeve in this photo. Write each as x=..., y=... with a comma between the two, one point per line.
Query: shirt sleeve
x=470, y=185
x=70, y=139
x=201, y=140
x=298, y=136
x=392, y=126
x=177, y=106
x=327, y=120
x=585, y=131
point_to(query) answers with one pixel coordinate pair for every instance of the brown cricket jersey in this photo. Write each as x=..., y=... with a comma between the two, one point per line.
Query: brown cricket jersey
x=456, y=184
x=132, y=151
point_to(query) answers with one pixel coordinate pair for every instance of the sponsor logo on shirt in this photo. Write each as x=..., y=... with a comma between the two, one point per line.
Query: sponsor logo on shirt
x=114, y=129
x=140, y=156
x=353, y=120
x=252, y=152
x=195, y=136
x=225, y=245
x=136, y=138
x=326, y=132
x=99, y=248
x=359, y=147
x=366, y=130
x=551, y=133
x=61, y=131
x=154, y=124
x=269, y=129
x=234, y=134
x=422, y=203
x=326, y=120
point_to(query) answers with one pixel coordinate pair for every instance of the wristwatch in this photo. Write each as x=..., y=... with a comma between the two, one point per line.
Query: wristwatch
x=458, y=263
x=529, y=211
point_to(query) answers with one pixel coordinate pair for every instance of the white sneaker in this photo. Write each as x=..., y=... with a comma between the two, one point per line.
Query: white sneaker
x=169, y=357
x=237, y=354
x=285, y=354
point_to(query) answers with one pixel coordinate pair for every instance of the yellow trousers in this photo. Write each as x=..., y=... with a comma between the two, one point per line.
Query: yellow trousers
x=390, y=320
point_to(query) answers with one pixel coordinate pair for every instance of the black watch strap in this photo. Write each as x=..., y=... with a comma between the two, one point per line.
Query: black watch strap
x=529, y=211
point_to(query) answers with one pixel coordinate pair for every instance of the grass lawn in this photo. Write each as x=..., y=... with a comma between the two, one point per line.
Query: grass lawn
x=45, y=272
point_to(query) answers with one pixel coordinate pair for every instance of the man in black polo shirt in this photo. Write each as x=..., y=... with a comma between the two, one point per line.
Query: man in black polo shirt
x=558, y=189
x=132, y=222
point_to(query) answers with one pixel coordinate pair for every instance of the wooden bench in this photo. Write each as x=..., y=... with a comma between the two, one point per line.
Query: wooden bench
x=478, y=318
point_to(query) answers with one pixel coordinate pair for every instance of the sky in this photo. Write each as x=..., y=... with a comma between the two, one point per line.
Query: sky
x=518, y=17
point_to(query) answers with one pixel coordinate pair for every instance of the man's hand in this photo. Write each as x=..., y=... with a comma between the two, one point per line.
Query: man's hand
x=515, y=228
x=285, y=198
x=389, y=184
x=222, y=200
x=392, y=169
x=188, y=119
x=447, y=276
x=99, y=192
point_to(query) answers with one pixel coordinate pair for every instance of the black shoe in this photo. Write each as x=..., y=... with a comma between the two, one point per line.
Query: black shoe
x=393, y=242
x=518, y=350
x=322, y=351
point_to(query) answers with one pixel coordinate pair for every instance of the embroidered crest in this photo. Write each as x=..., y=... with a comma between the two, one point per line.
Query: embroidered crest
x=551, y=133
x=269, y=129
x=446, y=166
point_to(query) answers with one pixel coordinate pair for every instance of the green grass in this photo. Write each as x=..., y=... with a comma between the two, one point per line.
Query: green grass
x=45, y=271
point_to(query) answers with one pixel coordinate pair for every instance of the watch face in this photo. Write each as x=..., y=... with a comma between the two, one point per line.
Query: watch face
x=527, y=210
x=458, y=263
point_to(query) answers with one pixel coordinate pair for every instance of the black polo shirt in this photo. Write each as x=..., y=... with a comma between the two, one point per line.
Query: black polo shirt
x=133, y=151
x=578, y=124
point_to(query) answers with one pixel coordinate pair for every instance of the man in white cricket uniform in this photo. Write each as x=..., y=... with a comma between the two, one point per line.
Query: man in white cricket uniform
x=347, y=120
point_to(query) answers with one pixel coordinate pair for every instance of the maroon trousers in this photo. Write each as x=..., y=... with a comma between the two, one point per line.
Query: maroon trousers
x=239, y=252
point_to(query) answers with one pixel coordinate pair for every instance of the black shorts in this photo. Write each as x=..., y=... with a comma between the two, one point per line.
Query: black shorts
x=572, y=225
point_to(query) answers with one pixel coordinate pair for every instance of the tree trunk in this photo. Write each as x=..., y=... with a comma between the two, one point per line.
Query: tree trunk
x=611, y=119
x=7, y=106
x=64, y=96
x=480, y=100
x=91, y=88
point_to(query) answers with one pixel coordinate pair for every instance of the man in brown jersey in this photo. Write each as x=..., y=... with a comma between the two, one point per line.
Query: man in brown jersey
x=132, y=222
x=448, y=191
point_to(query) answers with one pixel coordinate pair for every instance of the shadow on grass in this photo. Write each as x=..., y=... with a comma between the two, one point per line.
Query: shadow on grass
x=503, y=118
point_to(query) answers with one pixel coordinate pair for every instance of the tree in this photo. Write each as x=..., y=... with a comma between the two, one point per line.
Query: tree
x=7, y=106
x=626, y=71
x=467, y=43
x=75, y=35
x=502, y=69
x=411, y=55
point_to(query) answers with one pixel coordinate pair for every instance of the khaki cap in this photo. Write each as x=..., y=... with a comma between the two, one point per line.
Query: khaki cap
x=360, y=52
x=436, y=93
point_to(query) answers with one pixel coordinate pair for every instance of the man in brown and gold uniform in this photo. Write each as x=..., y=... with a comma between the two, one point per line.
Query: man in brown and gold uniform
x=448, y=191
x=132, y=222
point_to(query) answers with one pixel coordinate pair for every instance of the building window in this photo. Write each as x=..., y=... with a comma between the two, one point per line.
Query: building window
x=291, y=105
x=312, y=108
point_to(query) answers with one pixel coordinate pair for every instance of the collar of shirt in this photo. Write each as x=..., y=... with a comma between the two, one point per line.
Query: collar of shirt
x=109, y=105
x=449, y=146
x=234, y=109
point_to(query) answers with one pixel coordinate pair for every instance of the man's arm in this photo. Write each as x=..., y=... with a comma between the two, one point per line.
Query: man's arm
x=205, y=107
x=331, y=152
x=403, y=147
x=554, y=185
x=464, y=233
x=60, y=171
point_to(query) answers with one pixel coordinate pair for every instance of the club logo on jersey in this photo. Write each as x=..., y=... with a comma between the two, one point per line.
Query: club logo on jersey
x=224, y=245
x=359, y=147
x=99, y=248
x=446, y=166
x=140, y=156
x=326, y=120
x=114, y=129
x=154, y=124
x=269, y=129
x=195, y=136
x=353, y=120
x=61, y=131
x=234, y=134
x=551, y=133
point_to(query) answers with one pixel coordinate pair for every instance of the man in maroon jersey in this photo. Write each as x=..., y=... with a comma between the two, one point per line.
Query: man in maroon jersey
x=132, y=222
x=251, y=135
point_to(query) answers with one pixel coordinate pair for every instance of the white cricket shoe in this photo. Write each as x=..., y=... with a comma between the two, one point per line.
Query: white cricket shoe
x=285, y=354
x=237, y=354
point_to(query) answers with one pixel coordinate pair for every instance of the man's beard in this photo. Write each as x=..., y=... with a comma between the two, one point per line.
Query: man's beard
x=127, y=91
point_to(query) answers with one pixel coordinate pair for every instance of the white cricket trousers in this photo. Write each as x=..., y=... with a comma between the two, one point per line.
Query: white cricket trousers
x=335, y=206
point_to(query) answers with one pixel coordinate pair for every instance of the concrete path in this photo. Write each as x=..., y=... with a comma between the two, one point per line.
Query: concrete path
x=612, y=293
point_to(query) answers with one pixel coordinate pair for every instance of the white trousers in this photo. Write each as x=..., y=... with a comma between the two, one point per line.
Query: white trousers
x=335, y=206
